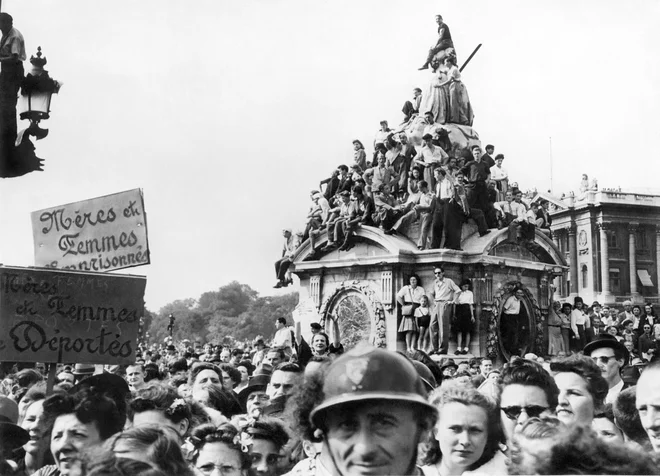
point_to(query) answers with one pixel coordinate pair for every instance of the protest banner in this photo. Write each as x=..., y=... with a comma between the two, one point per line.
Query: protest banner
x=63, y=316
x=101, y=234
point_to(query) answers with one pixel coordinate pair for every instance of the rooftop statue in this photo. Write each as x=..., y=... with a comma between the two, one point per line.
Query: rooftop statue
x=444, y=47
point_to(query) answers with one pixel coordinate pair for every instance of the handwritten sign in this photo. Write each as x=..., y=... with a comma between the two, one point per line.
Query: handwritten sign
x=64, y=316
x=100, y=234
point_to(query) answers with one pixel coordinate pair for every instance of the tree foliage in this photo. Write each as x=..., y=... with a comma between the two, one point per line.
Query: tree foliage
x=234, y=311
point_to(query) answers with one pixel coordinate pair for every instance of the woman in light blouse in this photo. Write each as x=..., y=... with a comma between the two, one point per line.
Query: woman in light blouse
x=409, y=298
x=579, y=322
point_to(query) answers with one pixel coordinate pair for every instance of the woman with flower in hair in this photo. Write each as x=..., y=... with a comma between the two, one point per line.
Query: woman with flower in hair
x=160, y=405
x=218, y=448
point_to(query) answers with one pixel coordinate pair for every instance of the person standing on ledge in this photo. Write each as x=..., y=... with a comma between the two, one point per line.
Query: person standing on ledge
x=444, y=41
x=12, y=55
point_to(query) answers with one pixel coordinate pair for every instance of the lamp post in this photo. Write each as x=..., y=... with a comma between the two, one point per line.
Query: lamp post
x=17, y=153
x=170, y=326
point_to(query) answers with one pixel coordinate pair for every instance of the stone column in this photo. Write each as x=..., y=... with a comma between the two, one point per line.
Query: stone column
x=657, y=258
x=632, y=250
x=572, y=249
x=605, y=292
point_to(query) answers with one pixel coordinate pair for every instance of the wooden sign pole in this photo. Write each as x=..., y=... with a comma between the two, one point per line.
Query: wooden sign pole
x=52, y=372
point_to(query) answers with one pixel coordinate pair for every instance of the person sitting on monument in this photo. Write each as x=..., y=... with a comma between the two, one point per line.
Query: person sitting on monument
x=429, y=157
x=416, y=176
x=282, y=265
x=412, y=108
x=422, y=209
x=382, y=174
x=444, y=42
x=531, y=221
x=511, y=214
x=458, y=211
x=388, y=208
x=345, y=182
x=318, y=214
x=337, y=216
x=543, y=218
x=518, y=197
x=360, y=212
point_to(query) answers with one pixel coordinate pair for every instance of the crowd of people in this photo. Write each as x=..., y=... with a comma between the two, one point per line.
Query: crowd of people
x=301, y=408
x=436, y=186
x=404, y=185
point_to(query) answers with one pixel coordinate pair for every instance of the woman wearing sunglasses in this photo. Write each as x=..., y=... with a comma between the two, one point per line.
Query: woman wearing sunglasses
x=582, y=389
x=467, y=436
x=526, y=390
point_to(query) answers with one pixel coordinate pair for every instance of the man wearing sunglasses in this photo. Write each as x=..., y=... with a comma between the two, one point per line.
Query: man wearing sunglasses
x=526, y=391
x=610, y=355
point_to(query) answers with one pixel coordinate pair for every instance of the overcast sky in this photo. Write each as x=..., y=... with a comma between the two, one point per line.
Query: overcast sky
x=227, y=113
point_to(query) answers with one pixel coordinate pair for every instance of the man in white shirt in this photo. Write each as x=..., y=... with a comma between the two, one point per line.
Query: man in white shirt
x=443, y=293
x=318, y=214
x=282, y=337
x=443, y=192
x=610, y=355
x=510, y=322
x=511, y=214
x=429, y=157
x=282, y=265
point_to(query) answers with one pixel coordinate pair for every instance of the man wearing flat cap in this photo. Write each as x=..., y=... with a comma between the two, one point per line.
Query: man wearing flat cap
x=610, y=355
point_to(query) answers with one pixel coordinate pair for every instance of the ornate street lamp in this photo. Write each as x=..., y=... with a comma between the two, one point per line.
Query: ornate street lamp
x=36, y=92
x=17, y=152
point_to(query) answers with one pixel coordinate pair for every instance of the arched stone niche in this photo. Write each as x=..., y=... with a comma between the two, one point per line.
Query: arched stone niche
x=358, y=298
x=533, y=322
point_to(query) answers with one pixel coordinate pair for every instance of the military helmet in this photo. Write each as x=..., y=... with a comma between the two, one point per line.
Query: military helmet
x=368, y=373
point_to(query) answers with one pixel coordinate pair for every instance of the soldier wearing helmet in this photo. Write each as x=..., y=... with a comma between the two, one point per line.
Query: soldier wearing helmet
x=368, y=408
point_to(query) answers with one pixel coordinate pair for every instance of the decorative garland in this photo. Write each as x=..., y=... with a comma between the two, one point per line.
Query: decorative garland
x=380, y=335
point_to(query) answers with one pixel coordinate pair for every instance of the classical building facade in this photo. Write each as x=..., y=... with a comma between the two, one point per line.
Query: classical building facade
x=358, y=287
x=611, y=242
